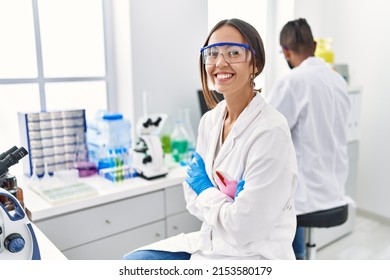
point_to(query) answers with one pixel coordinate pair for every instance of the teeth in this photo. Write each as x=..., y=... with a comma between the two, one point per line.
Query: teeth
x=224, y=76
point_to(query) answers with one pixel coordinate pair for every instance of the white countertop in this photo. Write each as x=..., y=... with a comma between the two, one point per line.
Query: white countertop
x=38, y=208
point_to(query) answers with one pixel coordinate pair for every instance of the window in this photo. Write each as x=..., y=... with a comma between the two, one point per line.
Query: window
x=53, y=57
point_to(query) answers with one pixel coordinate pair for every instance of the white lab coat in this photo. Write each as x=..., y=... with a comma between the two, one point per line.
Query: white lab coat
x=314, y=99
x=261, y=222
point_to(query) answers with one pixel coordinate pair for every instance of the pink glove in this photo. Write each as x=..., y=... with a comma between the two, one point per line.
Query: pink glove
x=225, y=183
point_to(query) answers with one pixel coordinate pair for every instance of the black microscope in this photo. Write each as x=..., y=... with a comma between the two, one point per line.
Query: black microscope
x=8, y=181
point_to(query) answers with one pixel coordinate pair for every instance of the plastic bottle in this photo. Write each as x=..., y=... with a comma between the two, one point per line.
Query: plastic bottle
x=9, y=183
x=165, y=137
x=116, y=131
x=179, y=143
x=186, y=118
x=324, y=51
x=110, y=132
x=106, y=158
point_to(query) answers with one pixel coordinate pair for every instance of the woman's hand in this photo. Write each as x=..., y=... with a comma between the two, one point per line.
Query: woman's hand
x=197, y=176
x=240, y=187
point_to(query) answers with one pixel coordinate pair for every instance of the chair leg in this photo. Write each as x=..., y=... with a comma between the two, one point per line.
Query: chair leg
x=310, y=244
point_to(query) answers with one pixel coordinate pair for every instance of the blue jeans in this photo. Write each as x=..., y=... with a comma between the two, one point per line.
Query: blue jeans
x=299, y=245
x=156, y=255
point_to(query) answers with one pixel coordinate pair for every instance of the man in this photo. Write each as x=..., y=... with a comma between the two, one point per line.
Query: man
x=314, y=99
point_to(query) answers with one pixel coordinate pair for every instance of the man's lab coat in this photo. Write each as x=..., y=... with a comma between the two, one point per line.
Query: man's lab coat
x=314, y=100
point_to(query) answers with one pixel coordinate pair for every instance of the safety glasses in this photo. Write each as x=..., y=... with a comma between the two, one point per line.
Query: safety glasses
x=232, y=53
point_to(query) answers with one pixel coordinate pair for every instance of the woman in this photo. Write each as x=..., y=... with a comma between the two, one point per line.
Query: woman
x=242, y=178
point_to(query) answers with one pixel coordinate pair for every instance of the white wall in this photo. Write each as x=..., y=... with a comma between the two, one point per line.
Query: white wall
x=278, y=13
x=360, y=31
x=166, y=37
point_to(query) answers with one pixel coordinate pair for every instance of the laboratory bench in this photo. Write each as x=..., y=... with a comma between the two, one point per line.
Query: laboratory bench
x=121, y=217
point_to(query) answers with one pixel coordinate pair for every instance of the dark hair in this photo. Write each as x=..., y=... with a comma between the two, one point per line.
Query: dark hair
x=252, y=37
x=296, y=36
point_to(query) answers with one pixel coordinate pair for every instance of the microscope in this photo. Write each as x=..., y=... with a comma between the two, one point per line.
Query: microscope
x=17, y=237
x=148, y=152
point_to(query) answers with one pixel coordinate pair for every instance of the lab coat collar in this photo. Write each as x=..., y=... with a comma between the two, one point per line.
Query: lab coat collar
x=244, y=120
x=312, y=60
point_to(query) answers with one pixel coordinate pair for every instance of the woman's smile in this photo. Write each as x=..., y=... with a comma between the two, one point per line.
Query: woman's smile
x=223, y=76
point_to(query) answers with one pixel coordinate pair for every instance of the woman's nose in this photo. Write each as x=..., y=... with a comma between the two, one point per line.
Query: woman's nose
x=221, y=61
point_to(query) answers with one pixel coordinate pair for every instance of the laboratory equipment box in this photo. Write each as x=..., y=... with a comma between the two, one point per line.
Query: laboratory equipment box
x=55, y=140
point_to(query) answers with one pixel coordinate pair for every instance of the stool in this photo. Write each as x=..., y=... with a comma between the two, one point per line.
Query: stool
x=320, y=219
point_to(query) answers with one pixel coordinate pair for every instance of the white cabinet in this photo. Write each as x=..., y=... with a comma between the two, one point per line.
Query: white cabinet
x=182, y=222
x=178, y=219
x=174, y=200
x=76, y=228
x=114, y=247
x=354, y=116
x=111, y=229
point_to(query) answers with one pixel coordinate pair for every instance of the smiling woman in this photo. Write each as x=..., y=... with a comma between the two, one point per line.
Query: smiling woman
x=242, y=178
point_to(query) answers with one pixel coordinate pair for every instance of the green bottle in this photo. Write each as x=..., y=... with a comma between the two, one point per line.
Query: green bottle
x=179, y=143
x=166, y=143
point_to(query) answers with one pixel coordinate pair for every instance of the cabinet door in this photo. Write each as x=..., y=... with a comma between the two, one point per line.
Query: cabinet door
x=174, y=199
x=84, y=226
x=182, y=223
x=116, y=246
x=350, y=186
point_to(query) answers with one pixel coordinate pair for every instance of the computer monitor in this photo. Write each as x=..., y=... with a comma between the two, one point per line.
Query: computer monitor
x=202, y=102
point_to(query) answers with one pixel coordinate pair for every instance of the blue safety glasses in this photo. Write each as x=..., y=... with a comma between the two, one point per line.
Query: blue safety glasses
x=232, y=53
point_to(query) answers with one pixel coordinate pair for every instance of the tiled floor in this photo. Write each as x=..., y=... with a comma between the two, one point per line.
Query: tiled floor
x=370, y=240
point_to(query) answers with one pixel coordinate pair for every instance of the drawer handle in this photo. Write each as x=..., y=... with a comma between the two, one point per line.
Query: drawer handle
x=158, y=235
x=108, y=222
x=175, y=227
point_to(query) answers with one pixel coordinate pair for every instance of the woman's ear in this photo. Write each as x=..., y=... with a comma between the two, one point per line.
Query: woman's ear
x=256, y=71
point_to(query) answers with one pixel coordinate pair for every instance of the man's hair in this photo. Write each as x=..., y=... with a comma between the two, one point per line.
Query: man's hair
x=296, y=36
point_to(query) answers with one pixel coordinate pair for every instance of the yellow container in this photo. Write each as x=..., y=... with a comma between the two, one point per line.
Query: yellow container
x=323, y=50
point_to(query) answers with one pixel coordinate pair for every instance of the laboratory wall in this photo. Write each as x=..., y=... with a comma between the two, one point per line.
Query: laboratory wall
x=359, y=29
x=166, y=37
